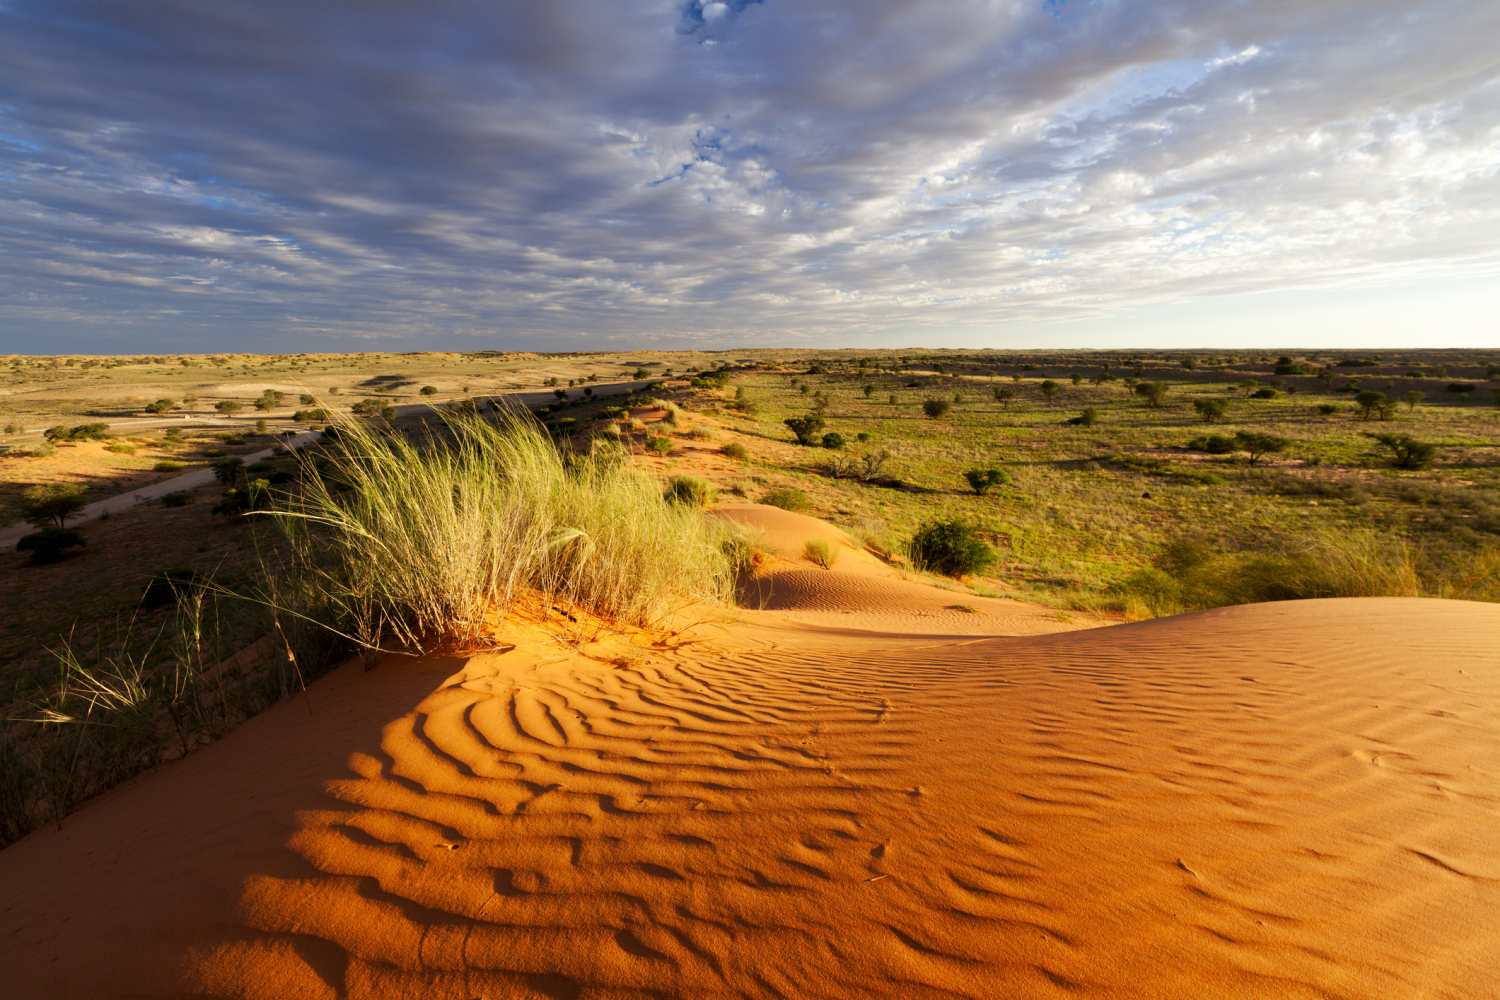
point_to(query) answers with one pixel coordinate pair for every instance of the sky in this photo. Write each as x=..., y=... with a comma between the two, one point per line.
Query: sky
x=572, y=175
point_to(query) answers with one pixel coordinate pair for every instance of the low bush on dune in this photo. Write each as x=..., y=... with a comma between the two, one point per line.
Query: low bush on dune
x=952, y=548
x=819, y=553
x=413, y=541
x=735, y=450
x=787, y=498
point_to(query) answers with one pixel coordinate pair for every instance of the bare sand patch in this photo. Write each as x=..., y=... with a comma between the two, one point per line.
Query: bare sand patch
x=1276, y=800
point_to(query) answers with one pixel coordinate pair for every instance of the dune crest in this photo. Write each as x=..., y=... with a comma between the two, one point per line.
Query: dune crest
x=1290, y=800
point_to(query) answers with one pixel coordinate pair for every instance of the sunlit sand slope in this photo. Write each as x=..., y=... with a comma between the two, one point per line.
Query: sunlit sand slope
x=862, y=592
x=1280, y=800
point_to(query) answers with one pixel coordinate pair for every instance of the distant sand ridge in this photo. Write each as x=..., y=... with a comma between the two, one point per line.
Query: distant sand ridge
x=830, y=799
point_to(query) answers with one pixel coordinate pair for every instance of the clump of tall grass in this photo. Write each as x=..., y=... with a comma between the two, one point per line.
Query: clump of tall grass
x=820, y=553
x=419, y=540
x=1192, y=574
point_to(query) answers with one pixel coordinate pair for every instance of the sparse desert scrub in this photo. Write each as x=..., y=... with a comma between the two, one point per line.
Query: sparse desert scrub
x=736, y=451
x=418, y=541
x=1190, y=574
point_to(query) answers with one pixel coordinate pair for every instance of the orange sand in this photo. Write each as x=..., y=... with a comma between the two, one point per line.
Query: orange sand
x=1290, y=800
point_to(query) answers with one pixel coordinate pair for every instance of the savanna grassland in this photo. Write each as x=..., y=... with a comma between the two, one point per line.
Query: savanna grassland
x=1113, y=494
x=164, y=413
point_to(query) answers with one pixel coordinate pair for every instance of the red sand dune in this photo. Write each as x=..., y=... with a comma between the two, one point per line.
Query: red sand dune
x=1290, y=800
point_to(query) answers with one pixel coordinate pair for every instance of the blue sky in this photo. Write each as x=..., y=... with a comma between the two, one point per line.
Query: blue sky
x=572, y=175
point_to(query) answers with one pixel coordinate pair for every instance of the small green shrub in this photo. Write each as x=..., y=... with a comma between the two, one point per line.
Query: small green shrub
x=819, y=553
x=1373, y=405
x=50, y=545
x=1211, y=410
x=1406, y=451
x=950, y=547
x=1087, y=418
x=690, y=490
x=981, y=481
x=1257, y=445
x=736, y=451
x=167, y=465
x=78, y=432
x=1265, y=393
x=1328, y=409
x=428, y=390
x=1155, y=393
x=806, y=429
x=787, y=498
x=833, y=439
x=1212, y=444
x=935, y=408
x=660, y=445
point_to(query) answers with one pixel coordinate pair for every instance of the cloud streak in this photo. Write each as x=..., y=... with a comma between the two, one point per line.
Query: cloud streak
x=570, y=174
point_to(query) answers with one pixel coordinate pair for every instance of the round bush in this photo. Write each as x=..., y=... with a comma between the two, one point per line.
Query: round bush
x=690, y=490
x=952, y=548
x=50, y=545
x=833, y=439
x=787, y=498
x=935, y=408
